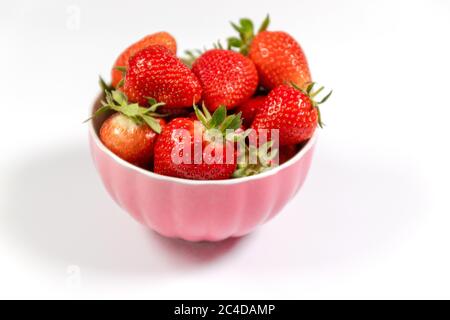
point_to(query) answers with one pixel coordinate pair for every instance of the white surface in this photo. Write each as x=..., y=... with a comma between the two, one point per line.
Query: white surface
x=371, y=222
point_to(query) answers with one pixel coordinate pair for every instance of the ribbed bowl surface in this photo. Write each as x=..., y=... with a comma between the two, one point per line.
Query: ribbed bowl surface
x=199, y=210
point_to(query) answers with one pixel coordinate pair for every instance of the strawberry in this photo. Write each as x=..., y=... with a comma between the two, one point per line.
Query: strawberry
x=292, y=111
x=227, y=78
x=249, y=109
x=174, y=112
x=197, y=155
x=155, y=72
x=279, y=60
x=277, y=56
x=130, y=141
x=161, y=38
x=131, y=132
x=286, y=153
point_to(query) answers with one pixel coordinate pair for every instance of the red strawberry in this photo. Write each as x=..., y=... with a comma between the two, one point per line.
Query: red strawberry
x=174, y=112
x=292, y=111
x=213, y=156
x=228, y=78
x=155, y=72
x=277, y=56
x=279, y=60
x=130, y=141
x=249, y=109
x=131, y=132
x=161, y=38
x=286, y=153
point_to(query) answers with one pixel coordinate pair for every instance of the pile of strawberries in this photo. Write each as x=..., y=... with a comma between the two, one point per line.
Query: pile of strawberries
x=259, y=82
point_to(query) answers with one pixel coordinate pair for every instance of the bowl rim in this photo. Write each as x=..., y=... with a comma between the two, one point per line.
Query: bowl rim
x=150, y=174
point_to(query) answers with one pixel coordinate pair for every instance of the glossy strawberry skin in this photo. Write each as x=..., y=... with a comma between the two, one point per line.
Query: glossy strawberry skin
x=249, y=109
x=289, y=110
x=131, y=142
x=159, y=38
x=156, y=73
x=279, y=60
x=228, y=78
x=168, y=141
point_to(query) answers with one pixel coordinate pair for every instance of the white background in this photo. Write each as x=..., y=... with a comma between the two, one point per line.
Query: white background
x=372, y=220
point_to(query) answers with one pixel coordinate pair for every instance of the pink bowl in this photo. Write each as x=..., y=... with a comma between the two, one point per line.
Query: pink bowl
x=199, y=210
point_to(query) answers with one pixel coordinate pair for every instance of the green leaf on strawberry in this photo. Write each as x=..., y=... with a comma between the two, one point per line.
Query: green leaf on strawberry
x=234, y=42
x=219, y=119
x=104, y=86
x=312, y=94
x=256, y=160
x=123, y=70
x=191, y=56
x=117, y=101
x=265, y=24
x=246, y=30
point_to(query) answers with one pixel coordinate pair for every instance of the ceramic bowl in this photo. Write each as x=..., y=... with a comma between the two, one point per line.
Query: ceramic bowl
x=198, y=210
